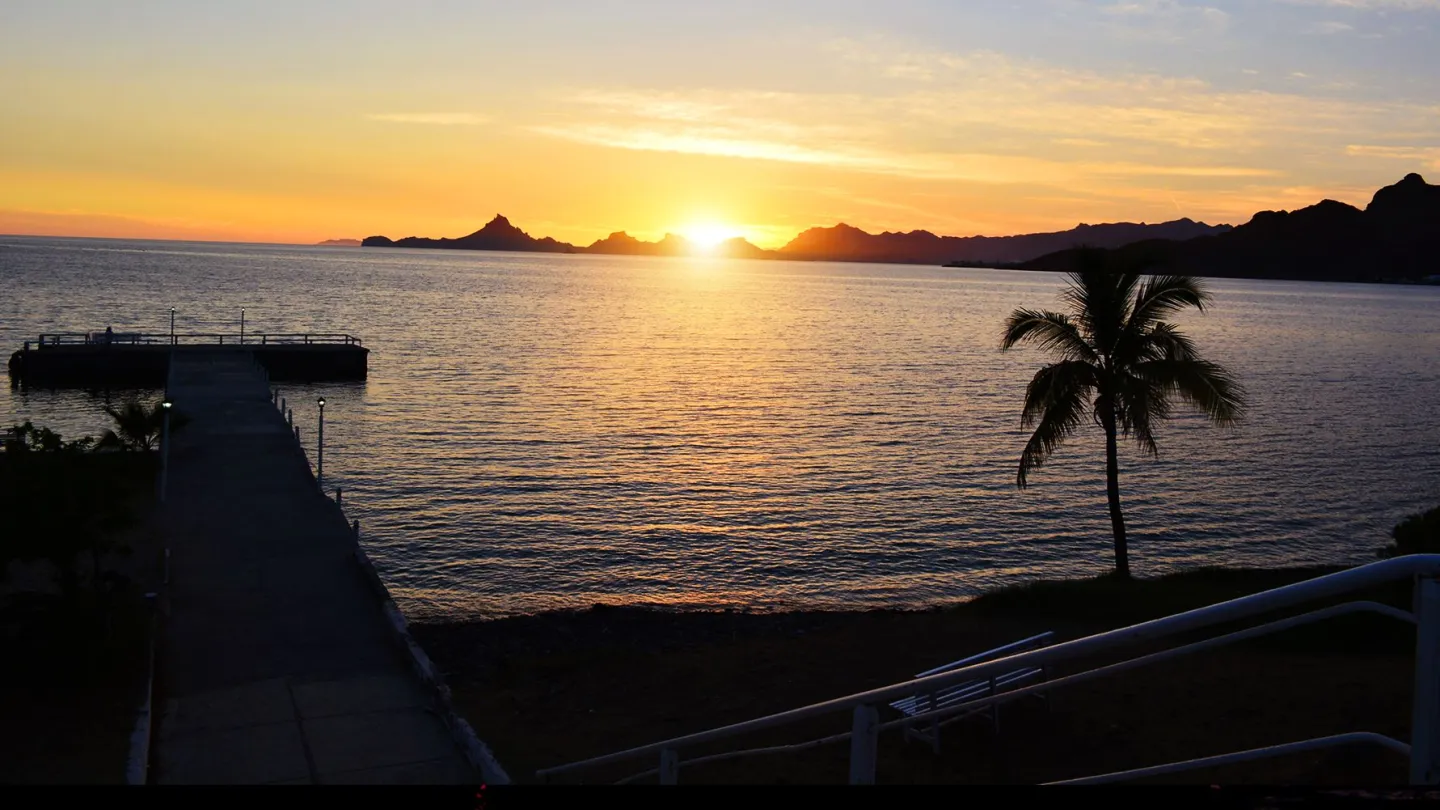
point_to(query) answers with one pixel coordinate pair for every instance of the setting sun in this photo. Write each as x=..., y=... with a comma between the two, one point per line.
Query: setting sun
x=706, y=236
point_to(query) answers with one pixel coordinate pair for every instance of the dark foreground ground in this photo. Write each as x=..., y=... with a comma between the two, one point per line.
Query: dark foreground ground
x=551, y=689
x=74, y=668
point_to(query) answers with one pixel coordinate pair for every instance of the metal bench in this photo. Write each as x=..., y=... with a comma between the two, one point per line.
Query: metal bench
x=968, y=691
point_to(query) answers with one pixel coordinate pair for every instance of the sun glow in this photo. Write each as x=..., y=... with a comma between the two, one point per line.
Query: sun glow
x=706, y=236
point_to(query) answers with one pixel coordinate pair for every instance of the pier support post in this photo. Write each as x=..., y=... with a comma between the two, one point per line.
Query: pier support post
x=669, y=767
x=864, y=745
x=1425, y=711
x=165, y=450
x=320, y=448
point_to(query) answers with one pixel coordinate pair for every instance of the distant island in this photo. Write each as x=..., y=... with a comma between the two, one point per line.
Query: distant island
x=1396, y=238
x=841, y=243
x=339, y=243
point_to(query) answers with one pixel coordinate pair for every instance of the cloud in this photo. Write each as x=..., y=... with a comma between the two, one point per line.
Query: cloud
x=1428, y=155
x=982, y=117
x=1165, y=20
x=434, y=119
x=1371, y=5
x=1329, y=27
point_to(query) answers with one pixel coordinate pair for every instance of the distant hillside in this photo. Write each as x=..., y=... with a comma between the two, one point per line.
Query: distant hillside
x=844, y=243
x=841, y=243
x=1395, y=238
x=498, y=234
x=339, y=243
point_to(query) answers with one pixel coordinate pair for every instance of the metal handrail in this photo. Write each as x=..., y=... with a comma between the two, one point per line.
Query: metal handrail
x=960, y=711
x=190, y=338
x=1366, y=576
x=1267, y=752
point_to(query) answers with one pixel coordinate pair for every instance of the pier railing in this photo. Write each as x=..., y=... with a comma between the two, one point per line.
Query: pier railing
x=195, y=339
x=1423, y=749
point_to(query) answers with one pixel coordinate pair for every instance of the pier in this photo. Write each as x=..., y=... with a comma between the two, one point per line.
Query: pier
x=282, y=660
x=86, y=359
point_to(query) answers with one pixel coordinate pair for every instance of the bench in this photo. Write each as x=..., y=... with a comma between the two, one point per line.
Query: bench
x=969, y=691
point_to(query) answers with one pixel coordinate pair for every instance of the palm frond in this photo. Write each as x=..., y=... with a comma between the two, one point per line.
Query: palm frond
x=1208, y=386
x=1049, y=331
x=1160, y=296
x=1100, y=293
x=1056, y=399
x=1139, y=404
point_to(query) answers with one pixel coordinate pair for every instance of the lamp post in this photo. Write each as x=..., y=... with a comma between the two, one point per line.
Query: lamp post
x=320, y=448
x=172, y=326
x=242, y=326
x=165, y=449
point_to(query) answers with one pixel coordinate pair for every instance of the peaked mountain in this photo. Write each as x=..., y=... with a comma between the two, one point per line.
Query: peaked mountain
x=498, y=234
x=844, y=243
x=1395, y=238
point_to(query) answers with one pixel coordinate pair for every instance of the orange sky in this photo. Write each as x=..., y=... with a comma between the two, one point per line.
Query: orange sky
x=272, y=122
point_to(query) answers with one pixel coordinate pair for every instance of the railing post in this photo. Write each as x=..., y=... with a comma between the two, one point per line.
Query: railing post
x=355, y=527
x=669, y=767
x=339, y=496
x=994, y=707
x=864, y=745
x=297, y=437
x=1425, y=712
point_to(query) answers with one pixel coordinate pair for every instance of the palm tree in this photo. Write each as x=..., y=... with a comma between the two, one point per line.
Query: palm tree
x=137, y=427
x=1119, y=364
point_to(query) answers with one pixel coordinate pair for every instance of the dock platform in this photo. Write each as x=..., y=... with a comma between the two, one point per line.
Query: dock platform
x=277, y=661
x=64, y=360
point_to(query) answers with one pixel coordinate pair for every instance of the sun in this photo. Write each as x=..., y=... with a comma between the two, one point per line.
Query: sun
x=706, y=236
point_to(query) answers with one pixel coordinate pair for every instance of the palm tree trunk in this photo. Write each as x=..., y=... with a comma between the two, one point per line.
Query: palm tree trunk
x=1112, y=490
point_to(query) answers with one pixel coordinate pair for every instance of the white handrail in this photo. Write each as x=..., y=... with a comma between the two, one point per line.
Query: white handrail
x=961, y=710
x=1365, y=576
x=1317, y=744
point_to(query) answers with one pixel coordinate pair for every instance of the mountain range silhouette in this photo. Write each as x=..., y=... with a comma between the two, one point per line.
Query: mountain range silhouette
x=1397, y=237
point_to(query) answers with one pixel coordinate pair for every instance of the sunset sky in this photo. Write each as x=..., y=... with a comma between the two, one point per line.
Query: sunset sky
x=305, y=120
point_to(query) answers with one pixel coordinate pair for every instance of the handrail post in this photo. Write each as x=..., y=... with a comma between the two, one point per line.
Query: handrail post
x=669, y=767
x=994, y=707
x=864, y=744
x=355, y=527
x=1425, y=711
x=340, y=497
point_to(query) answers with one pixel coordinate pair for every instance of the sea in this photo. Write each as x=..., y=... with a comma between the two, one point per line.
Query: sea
x=543, y=432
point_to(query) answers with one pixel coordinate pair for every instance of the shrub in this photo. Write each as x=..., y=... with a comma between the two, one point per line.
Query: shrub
x=1417, y=534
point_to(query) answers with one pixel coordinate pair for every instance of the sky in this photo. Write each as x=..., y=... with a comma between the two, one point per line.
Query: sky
x=305, y=120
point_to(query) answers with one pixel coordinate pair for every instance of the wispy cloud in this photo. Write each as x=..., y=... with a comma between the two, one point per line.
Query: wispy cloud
x=1374, y=5
x=983, y=117
x=1428, y=155
x=1329, y=27
x=1165, y=20
x=433, y=119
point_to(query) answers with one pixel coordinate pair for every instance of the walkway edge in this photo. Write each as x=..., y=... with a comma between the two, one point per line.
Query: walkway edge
x=476, y=752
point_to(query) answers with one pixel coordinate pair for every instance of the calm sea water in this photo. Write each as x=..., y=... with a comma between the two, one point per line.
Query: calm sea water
x=554, y=431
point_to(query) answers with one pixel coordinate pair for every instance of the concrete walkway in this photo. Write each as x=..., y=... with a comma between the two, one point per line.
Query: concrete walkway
x=277, y=665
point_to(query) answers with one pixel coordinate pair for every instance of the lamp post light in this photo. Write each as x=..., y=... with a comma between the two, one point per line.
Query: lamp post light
x=320, y=447
x=242, y=326
x=165, y=406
